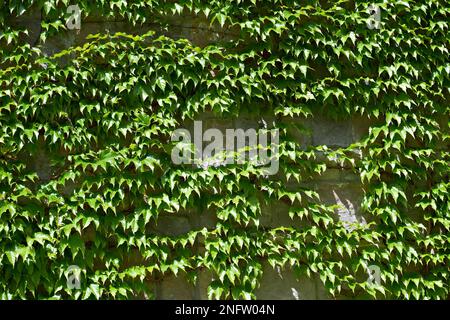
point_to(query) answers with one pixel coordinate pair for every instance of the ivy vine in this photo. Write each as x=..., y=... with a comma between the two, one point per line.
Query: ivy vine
x=100, y=114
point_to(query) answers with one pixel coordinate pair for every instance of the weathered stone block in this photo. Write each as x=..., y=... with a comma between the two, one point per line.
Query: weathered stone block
x=175, y=288
x=360, y=127
x=30, y=20
x=331, y=132
x=277, y=284
x=172, y=225
x=206, y=219
x=204, y=278
x=277, y=215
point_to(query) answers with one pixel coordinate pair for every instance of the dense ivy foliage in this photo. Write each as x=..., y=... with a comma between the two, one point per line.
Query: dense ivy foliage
x=101, y=115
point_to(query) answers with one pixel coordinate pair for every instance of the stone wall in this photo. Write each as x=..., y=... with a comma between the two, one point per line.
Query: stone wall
x=337, y=185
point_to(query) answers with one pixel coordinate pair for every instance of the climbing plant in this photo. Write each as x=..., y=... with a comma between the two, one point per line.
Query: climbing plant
x=99, y=116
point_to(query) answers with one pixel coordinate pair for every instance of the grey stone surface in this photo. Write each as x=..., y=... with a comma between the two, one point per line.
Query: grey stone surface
x=172, y=225
x=360, y=127
x=276, y=215
x=175, y=288
x=41, y=165
x=204, y=278
x=278, y=284
x=30, y=20
x=330, y=132
x=321, y=291
x=206, y=219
